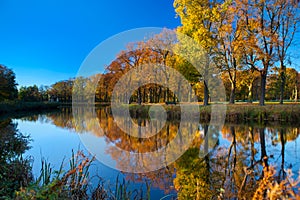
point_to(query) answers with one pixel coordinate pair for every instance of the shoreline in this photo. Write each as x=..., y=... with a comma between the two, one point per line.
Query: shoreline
x=19, y=108
x=236, y=113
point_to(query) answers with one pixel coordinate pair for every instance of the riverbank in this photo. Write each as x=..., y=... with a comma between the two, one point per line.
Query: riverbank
x=286, y=113
x=19, y=107
x=238, y=113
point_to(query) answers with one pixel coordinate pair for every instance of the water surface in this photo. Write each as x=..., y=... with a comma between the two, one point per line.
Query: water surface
x=234, y=164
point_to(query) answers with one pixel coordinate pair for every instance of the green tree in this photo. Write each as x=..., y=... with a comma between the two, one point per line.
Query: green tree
x=8, y=85
x=30, y=93
x=44, y=92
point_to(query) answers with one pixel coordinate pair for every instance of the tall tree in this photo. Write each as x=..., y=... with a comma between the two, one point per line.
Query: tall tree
x=200, y=20
x=287, y=23
x=261, y=23
x=160, y=46
x=230, y=39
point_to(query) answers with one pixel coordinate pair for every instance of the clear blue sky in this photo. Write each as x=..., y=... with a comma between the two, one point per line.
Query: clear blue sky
x=45, y=41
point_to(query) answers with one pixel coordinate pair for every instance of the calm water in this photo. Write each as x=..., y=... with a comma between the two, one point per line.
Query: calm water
x=241, y=151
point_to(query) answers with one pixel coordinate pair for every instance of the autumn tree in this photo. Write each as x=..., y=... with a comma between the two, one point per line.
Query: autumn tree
x=287, y=26
x=153, y=56
x=261, y=23
x=62, y=90
x=8, y=85
x=230, y=43
x=160, y=46
x=127, y=59
x=200, y=20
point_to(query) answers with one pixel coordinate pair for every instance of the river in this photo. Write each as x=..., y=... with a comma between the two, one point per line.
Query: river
x=237, y=153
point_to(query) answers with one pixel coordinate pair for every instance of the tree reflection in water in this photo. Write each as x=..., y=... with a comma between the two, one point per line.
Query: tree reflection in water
x=15, y=171
x=232, y=169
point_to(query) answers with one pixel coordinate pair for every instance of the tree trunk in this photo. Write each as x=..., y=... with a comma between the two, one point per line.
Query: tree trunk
x=263, y=82
x=144, y=94
x=206, y=94
x=282, y=83
x=139, y=94
x=232, y=93
x=296, y=93
x=159, y=94
x=250, y=93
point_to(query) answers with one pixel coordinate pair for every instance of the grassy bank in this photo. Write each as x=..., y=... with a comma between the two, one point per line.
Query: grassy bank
x=238, y=113
x=18, y=107
x=288, y=113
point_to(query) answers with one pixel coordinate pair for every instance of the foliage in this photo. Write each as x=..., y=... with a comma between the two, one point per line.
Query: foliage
x=30, y=93
x=239, y=34
x=61, y=91
x=8, y=85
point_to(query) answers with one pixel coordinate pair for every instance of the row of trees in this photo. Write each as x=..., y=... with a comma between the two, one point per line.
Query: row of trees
x=239, y=34
x=247, y=88
x=60, y=91
x=242, y=83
